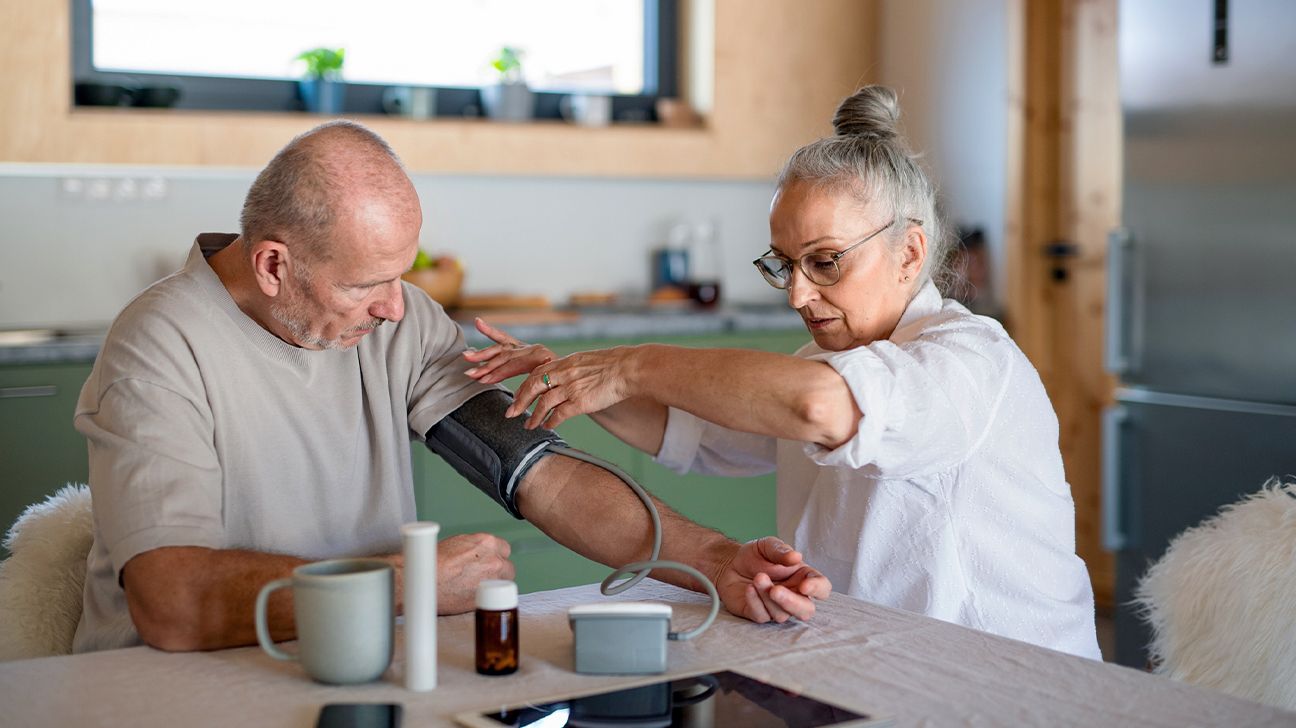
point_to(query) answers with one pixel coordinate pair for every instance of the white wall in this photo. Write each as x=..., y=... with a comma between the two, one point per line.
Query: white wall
x=70, y=261
x=948, y=59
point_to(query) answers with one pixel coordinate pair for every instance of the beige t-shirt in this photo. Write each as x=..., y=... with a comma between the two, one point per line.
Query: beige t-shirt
x=207, y=430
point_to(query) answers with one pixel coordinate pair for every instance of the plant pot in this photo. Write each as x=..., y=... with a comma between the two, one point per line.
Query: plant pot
x=156, y=97
x=89, y=93
x=322, y=96
x=508, y=102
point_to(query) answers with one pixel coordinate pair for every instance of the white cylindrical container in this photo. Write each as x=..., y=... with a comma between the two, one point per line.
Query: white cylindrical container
x=420, y=542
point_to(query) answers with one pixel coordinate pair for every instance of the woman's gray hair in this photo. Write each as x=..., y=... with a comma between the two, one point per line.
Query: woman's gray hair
x=294, y=197
x=868, y=157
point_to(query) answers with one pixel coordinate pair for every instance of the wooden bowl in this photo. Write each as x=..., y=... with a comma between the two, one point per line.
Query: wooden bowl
x=442, y=282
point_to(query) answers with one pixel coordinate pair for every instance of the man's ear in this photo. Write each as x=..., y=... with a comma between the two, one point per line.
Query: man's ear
x=913, y=253
x=270, y=262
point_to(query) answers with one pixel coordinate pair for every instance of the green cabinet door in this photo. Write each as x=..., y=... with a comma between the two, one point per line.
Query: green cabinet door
x=39, y=449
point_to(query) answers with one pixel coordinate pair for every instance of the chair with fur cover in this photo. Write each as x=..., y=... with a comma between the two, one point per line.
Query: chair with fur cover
x=1222, y=600
x=41, y=581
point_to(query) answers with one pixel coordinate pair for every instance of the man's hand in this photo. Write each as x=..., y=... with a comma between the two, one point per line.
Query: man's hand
x=767, y=580
x=465, y=561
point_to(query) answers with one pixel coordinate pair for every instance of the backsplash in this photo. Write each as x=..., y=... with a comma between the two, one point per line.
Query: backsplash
x=76, y=243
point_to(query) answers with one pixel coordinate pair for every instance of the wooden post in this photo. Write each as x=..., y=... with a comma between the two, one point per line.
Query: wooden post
x=1064, y=187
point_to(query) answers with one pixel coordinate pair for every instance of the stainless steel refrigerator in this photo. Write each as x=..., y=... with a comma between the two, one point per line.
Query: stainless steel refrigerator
x=1201, y=324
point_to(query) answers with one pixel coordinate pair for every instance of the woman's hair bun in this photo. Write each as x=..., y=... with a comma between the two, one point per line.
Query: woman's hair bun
x=871, y=111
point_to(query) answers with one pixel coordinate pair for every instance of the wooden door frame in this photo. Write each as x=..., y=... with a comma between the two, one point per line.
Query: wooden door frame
x=1064, y=186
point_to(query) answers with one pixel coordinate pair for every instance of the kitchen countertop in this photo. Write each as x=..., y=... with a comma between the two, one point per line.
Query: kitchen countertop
x=639, y=323
x=54, y=346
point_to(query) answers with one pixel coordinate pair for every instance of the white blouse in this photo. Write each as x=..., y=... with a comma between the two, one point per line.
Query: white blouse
x=949, y=501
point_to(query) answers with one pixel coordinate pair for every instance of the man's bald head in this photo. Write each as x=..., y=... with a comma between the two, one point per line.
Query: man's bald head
x=318, y=178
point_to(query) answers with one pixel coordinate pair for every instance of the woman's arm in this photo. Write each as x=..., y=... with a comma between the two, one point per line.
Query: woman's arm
x=627, y=389
x=751, y=391
x=638, y=422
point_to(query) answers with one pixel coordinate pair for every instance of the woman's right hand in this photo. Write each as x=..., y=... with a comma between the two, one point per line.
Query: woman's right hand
x=508, y=357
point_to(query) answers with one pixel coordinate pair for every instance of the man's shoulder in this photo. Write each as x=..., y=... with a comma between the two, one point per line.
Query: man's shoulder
x=150, y=337
x=170, y=305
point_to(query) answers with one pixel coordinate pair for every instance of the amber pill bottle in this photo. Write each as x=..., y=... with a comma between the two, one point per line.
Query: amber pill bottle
x=497, y=627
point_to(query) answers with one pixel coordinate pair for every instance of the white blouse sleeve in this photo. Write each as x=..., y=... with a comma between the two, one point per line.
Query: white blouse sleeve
x=691, y=444
x=927, y=403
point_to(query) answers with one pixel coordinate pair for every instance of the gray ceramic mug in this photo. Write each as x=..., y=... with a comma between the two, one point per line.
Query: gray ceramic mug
x=345, y=612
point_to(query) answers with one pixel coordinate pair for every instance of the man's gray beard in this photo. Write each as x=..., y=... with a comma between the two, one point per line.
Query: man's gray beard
x=291, y=317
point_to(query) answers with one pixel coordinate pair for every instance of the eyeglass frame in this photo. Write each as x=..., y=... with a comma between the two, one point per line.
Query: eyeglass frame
x=834, y=257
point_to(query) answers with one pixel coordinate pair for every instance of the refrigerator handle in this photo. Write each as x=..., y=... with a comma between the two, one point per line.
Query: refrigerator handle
x=1116, y=355
x=1114, y=419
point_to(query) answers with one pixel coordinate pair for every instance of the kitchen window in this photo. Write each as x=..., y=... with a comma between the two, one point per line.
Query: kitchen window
x=239, y=54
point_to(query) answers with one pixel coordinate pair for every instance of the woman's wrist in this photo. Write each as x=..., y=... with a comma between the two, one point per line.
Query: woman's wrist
x=637, y=367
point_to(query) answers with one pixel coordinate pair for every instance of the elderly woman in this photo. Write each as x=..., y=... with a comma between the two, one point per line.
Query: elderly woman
x=916, y=450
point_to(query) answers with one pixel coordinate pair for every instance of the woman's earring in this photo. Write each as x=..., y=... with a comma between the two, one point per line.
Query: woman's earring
x=906, y=279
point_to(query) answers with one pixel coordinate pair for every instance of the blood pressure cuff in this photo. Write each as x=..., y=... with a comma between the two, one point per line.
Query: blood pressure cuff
x=492, y=451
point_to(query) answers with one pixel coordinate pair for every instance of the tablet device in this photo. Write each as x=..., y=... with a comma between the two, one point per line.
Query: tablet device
x=718, y=700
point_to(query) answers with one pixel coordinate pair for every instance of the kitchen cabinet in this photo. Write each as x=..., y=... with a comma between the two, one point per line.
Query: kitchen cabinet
x=742, y=508
x=39, y=449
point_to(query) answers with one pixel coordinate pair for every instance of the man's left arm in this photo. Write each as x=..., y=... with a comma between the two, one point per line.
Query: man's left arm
x=592, y=512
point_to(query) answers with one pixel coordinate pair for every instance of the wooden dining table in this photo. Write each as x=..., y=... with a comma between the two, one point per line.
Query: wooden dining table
x=861, y=656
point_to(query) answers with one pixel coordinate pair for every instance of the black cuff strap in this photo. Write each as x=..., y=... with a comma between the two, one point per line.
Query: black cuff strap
x=491, y=451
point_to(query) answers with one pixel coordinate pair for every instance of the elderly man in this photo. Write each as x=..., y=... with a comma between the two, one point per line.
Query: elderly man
x=254, y=411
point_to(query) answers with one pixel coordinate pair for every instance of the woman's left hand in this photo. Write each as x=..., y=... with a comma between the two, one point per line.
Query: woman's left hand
x=584, y=382
x=508, y=357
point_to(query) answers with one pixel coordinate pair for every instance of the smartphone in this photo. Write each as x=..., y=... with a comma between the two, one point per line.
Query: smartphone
x=359, y=715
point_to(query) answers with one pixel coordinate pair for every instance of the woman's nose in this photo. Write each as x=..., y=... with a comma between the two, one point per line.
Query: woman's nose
x=800, y=290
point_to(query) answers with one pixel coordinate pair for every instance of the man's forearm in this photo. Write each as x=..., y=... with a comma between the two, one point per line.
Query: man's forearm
x=590, y=511
x=191, y=598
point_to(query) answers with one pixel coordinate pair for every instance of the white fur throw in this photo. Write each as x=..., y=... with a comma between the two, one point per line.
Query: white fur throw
x=41, y=582
x=1222, y=600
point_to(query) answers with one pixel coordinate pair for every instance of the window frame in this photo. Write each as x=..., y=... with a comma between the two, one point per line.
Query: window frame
x=216, y=93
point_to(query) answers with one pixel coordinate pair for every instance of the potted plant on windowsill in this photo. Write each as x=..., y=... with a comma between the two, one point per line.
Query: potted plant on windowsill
x=510, y=99
x=322, y=89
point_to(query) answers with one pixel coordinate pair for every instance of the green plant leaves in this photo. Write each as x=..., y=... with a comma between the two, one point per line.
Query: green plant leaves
x=323, y=62
x=509, y=63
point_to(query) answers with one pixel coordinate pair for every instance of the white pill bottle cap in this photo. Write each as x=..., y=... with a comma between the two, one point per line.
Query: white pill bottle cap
x=497, y=595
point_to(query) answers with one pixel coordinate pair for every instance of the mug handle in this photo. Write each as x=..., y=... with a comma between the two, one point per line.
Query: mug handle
x=263, y=629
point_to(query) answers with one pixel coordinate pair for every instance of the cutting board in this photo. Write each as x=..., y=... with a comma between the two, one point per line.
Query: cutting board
x=487, y=301
x=506, y=309
x=507, y=317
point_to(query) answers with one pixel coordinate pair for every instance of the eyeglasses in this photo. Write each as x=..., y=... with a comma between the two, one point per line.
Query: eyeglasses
x=820, y=268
